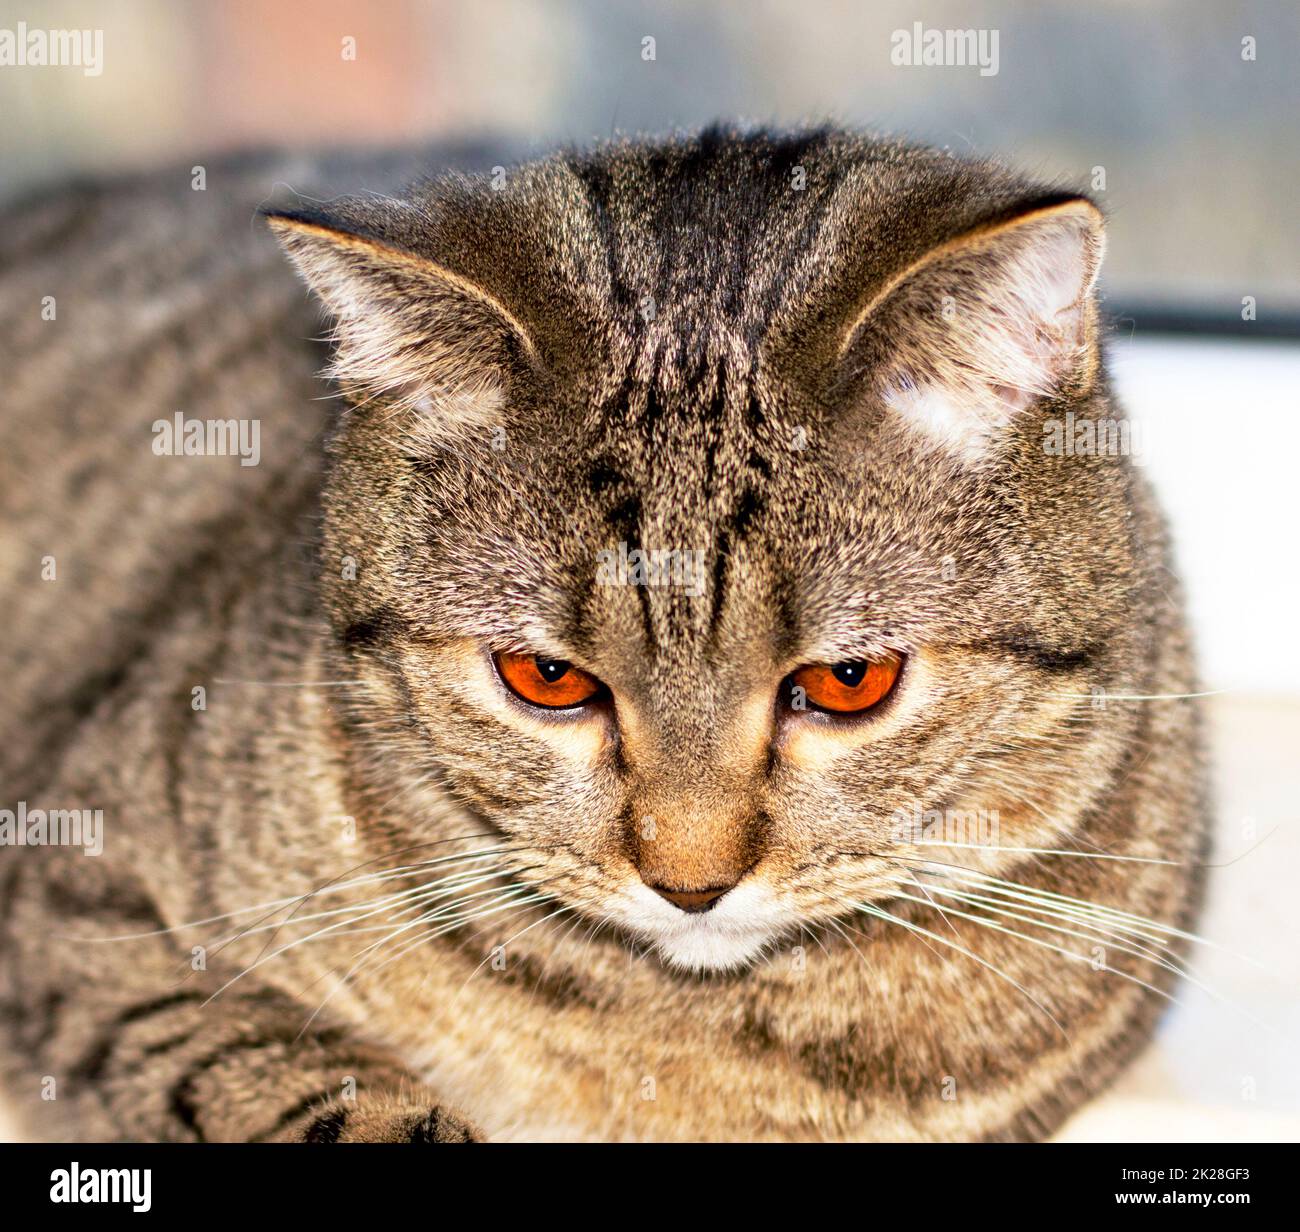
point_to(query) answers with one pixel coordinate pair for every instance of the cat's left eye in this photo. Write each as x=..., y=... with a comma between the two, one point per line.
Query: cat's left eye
x=851, y=687
x=552, y=684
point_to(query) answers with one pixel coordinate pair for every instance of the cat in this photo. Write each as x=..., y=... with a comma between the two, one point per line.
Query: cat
x=668, y=692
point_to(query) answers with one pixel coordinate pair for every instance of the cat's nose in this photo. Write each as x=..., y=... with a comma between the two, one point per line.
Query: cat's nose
x=692, y=900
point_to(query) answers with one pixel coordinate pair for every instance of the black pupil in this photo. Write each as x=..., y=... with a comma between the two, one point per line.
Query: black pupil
x=849, y=674
x=551, y=669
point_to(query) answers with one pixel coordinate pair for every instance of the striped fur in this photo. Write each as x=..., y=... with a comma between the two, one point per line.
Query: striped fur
x=655, y=356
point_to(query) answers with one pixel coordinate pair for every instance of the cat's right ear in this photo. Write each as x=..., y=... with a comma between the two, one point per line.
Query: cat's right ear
x=408, y=331
x=980, y=328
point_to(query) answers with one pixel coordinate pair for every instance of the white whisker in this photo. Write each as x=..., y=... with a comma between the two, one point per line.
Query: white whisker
x=871, y=909
x=1084, y=958
x=1096, y=935
x=1142, y=697
x=1044, y=851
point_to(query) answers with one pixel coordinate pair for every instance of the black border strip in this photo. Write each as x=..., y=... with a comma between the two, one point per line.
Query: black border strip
x=1136, y=319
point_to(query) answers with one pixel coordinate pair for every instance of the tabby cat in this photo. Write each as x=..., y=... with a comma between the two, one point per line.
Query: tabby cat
x=671, y=690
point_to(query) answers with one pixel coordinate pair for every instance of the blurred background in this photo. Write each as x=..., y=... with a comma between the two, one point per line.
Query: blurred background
x=1196, y=143
x=1179, y=116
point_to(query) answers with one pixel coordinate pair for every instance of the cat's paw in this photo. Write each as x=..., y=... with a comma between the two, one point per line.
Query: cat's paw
x=385, y=1120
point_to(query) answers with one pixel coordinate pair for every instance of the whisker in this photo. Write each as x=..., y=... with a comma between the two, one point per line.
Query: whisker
x=384, y=875
x=320, y=932
x=985, y=922
x=1143, y=697
x=871, y=909
x=297, y=684
x=805, y=931
x=921, y=886
x=1033, y=901
x=1123, y=975
x=1118, y=916
x=1098, y=934
x=843, y=932
x=442, y=885
x=360, y=963
x=510, y=940
x=271, y=906
x=1044, y=851
x=329, y=887
x=420, y=895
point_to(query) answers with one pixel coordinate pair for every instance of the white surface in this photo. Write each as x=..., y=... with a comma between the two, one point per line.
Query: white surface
x=1228, y=1068
x=1220, y=435
x=1220, y=431
x=1220, y=426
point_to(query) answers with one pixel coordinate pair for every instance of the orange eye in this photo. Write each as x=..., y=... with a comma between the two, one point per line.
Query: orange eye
x=845, y=688
x=551, y=683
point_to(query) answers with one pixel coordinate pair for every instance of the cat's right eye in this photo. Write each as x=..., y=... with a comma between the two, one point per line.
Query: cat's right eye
x=848, y=688
x=551, y=684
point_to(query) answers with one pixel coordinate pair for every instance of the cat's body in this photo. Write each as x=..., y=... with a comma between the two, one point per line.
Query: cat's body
x=334, y=739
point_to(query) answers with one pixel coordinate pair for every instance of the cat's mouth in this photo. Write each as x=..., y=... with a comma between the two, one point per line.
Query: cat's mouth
x=739, y=927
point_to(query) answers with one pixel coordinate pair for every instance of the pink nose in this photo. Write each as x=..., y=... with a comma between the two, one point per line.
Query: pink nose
x=692, y=900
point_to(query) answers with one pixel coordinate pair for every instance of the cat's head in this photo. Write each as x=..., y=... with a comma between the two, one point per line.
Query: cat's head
x=693, y=526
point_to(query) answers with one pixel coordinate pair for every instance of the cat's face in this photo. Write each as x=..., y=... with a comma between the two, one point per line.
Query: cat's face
x=718, y=625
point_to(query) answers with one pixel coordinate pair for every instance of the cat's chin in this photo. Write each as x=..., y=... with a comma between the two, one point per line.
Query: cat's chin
x=712, y=952
x=739, y=930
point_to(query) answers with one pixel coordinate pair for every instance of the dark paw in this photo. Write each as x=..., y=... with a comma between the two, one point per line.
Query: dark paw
x=385, y=1120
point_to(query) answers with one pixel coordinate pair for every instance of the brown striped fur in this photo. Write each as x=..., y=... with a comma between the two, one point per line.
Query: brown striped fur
x=352, y=722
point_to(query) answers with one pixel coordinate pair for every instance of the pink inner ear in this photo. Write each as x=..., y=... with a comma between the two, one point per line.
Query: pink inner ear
x=1012, y=329
x=965, y=426
x=407, y=331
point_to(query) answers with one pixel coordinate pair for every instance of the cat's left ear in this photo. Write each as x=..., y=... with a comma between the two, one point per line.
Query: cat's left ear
x=407, y=330
x=983, y=326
